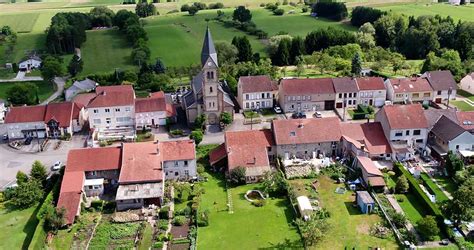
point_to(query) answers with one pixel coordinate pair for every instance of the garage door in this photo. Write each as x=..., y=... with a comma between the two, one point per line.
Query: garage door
x=162, y=122
x=329, y=105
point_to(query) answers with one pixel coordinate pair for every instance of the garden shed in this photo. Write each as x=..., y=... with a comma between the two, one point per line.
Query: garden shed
x=304, y=206
x=365, y=202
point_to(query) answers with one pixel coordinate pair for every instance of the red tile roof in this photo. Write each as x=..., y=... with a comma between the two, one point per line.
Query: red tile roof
x=307, y=86
x=370, y=83
x=248, y=148
x=466, y=119
x=94, y=159
x=26, y=114
x=110, y=96
x=76, y=111
x=61, y=112
x=177, y=150
x=140, y=163
x=82, y=100
x=70, y=195
x=370, y=135
x=252, y=84
x=414, y=84
x=345, y=85
x=217, y=154
x=299, y=131
x=375, y=177
x=410, y=116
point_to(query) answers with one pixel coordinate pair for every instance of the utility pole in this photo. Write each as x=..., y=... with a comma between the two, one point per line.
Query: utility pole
x=450, y=91
x=344, y=107
x=37, y=139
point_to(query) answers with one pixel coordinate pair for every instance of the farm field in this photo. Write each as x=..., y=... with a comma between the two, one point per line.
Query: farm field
x=418, y=9
x=45, y=89
x=18, y=227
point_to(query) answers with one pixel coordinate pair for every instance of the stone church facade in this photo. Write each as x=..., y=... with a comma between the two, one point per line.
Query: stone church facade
x=208, y=95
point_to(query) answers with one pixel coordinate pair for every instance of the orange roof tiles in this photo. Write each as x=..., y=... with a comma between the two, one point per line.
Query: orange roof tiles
x=94, y=159
x=370, y=83
x=299, y=131
x=370, y=135
x=26, y=114
x=61, y=112
x=248, y=148
x=307, y=86
x=109, y=96
x=252, y=84
x=406, y=85
x=140, y=163
x=177, y=150
x=408, y=116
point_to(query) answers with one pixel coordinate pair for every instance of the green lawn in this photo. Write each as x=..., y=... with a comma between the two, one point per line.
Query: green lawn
x=462, y=105
x=20, y=23
x=147, y=239
x=248, y=227
x=18, y=227
x=412, y=207
x=418, y=9
x=465, y=94
x=45, y=89
x=440, y=196
x=447, y=183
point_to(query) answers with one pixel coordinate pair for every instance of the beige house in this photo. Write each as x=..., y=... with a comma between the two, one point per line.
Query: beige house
x=297, y=95
x=467, y=83
x=443, y=84
x=409, y=90
x=256, y=92
x=347, y=92
x=372, y=91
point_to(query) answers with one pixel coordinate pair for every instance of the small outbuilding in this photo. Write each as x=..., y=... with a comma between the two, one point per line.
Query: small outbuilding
x=365, y=202
x=304, y=206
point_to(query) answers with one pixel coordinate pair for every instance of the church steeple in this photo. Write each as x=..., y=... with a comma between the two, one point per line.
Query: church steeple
x=208, y=49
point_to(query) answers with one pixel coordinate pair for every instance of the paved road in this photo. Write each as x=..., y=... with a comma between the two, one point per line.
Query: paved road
x=24, y=79
x=59, y=81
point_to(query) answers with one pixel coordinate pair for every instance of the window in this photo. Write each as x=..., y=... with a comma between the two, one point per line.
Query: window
x=268, y=95
x=117, y=110
x=398, y=133
x=426, y=95
x=350, y=95
x=298, y=98
x=175, y=163
x=96, y=121
x=355, y=95
x=123, y=119
x=210, y=89
x=93, y=173
x=247, y=105
x=186, y=172
x=246, y=96
x=185, y=163
x=289, y=98
x=263, y=95
x=127, y=109
x=416, y=132
x=176, y=173
x=107, y=110
x=439, y=92
x=345, y=95
x=108, y=120
x=292, y=133
x=96, y=111
x=340, y=95
x=407, y=132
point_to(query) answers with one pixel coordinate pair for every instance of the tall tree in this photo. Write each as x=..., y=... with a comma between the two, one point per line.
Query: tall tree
x=159, y=67
x=428, y=227
x=282, y=54
x=296, y=50
x=75, y=65
x=461, y=207
x=402, y=185
x=242, y=14
x=226, y=53
x=38, y=172
x=27, y=194
x=243, y=47
x=21, y=94
x=356, y=68
x=52, y=67
x=101, y=16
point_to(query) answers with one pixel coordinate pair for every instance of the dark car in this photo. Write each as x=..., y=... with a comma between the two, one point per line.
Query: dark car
x=28, y=141
x=298, y=115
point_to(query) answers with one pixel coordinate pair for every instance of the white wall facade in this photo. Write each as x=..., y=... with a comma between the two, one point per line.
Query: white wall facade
x=112, y=117
x=182, y=170
x=375, y=98
x=15, y=130
x=150, y=119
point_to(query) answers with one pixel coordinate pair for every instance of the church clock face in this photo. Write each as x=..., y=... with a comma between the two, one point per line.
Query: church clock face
x=209, y=64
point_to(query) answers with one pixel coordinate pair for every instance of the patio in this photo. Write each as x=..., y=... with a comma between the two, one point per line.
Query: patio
x=304, y=167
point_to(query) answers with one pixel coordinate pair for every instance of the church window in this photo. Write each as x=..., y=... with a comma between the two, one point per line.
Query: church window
x=210, y=89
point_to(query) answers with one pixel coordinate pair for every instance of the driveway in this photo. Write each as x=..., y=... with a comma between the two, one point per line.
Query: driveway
x=12, y=160
x=59, y=81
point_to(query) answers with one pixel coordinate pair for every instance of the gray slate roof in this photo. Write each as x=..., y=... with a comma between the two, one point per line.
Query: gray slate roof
x=441, y=79
x=446, y=129
x=433, y=115
x=208, y=49
x=345, y=85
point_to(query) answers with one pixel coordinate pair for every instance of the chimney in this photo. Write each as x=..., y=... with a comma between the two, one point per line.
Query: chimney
x=300, y=125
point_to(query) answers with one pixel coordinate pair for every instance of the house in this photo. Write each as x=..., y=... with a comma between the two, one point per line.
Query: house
x=405, y=127
x=466, y=120
x=208, y=96
x=307, y=138
x=409, y=90
x=178, y=159
x=432, y=115
x=372, y=91
x=346, y=92
x=467, y=83
x=365, y=202
x=3, y=111
x=446, y=135
x=132, y=174
x=443, y=84
x=62, y=119
x=78, y=87
x=153, y=111
x=365, y=139
x=112, y=112
x=256, y=92
x=26, y=121
x=33, y=62
x=297, y=95
x=371, y=175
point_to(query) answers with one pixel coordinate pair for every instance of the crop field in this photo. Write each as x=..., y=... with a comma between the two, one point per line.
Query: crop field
x=418, y=9
x=21, y=23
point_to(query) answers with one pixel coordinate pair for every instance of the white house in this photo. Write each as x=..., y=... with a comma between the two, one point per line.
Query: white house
x=153, y=111
x=372, y=91
x=467, y=83
x=24, y=121
x=256, y=92
x=3, y=111
x=443, y=84
x=346, y=92
x=178, y=159
x=409, y=90
x=33, y=62
x=446, y=135
x=78, y=87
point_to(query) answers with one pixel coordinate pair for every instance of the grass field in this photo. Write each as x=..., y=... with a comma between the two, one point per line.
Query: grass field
x=248, y=227
x=18, y=226
x=447, y=183
x=20, y=23
x=413, y=209
x=45, y=89
x=440, y=196
x=462, y=105
x=419, y=9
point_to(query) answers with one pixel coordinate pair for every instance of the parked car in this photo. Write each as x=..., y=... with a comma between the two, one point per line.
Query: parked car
x=57, y=166
x=444, y=242
x=317, y=114
x=277, y=109
x=28, y=141
x=5, y=137
x=298, y=115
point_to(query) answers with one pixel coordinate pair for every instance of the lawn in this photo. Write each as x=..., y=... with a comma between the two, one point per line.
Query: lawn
x=104, y=51
x=45, y=89
x=349, y=228
x=440, y=196
x=447, y=183
x=462, y=105
x=248, y=227
x=18, y=227
x=465, y=94
x=418, y=9
x=412, y=207
x=20, y=23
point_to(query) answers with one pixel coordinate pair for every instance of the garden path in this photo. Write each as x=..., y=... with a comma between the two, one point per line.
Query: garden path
x=437, y=184
x=393, y=201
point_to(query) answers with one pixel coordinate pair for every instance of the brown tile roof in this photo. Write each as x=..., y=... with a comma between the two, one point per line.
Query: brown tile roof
x=93, y=159
x=83, y=99
x=375, y=176
x=446, y=129
x=217, y=154
x=298, y=131
x=70, y=195
x=307, y=86
x=413, y=84
x=149, y=104
x=370, y=135
x=248, y=148
x=61, y=112
x=441, y=79
x=110, y=96
x=466, y=119
x=345, y=85
x=177, y=150
x=26, y=114
x=140, y=163
x=432, y=115
x=408, y=116
x=251, y=84
x=370, y=83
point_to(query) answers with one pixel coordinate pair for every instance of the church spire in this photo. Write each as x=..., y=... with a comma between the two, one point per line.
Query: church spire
x=208, y=49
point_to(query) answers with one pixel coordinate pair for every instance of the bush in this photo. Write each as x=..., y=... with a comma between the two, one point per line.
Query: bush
x=158, y=245
x=97, y=205
x=428, y=227
x=237, y=176
x=177, y=132
x=332, y=10
x=197, y=136
x=184, y=7
x=163, y=225
x=259, y=203
x=164, y=213
x=216, y=6
x=304, y=9
x=279, y=12
x=185, y=211
x=271, y=6
x=102, y=143
x=179, y=220
x=203, y=218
